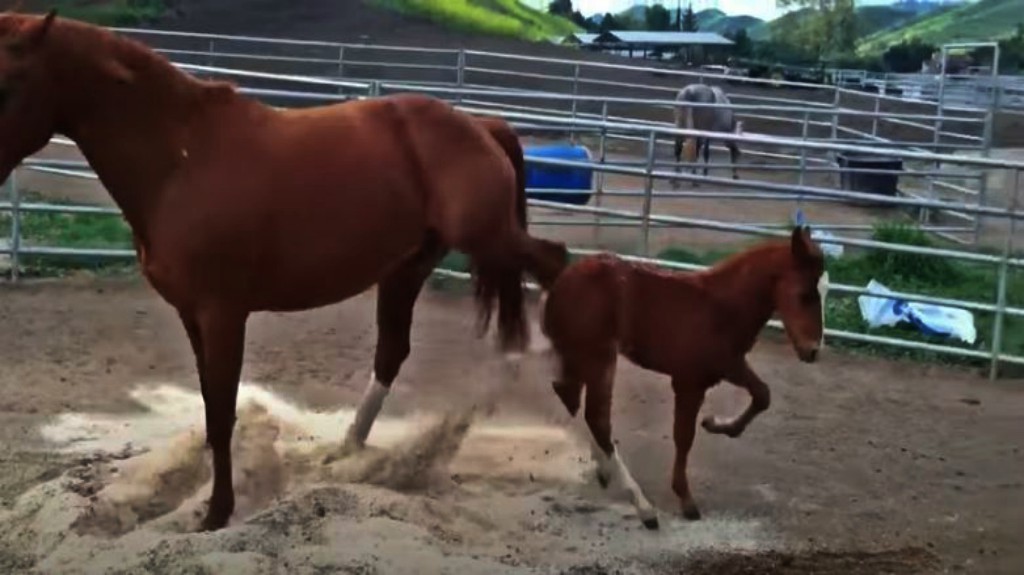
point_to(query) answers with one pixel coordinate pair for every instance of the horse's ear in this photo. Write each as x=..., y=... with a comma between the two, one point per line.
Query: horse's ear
x=34, y=34
x=800, y=242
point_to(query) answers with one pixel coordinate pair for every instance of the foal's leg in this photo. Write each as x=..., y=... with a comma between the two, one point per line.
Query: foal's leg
x=600, y=374
x=396, y=296
x=218, y=341
x=689, y=396
x=760, y=400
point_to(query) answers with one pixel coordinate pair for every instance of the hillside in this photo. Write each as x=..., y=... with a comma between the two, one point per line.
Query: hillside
x=978, y=21
x=505, y=18
x=510, y=18
x=712, y=20
x=870, y=19
x=709, y=20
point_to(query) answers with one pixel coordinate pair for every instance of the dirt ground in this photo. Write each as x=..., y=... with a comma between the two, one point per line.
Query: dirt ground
x=861, y=466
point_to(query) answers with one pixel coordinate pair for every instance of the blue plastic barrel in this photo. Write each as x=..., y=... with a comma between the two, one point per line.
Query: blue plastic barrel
x=539, y=176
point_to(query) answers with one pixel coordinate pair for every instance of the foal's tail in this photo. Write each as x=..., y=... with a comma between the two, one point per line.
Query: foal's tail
x=504, y=281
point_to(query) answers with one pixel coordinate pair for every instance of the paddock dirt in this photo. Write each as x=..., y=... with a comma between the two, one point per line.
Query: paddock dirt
x=861, y=466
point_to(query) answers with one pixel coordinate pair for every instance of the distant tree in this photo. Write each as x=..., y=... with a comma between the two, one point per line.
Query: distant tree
x=743, y=46
x=906, y=57
x=578, y=19
x=658, y=18
x=609, y=23
x=689, y=23
x=829, y=28
x=560, y=8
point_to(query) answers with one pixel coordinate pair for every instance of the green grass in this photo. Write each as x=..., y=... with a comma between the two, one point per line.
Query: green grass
x=927, y=275
x=508, y=18
x=48, y=229
x=111, y=12
x=986, y=20
x=941, y=277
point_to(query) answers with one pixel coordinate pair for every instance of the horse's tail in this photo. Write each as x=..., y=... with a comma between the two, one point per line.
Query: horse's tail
x=503, y=280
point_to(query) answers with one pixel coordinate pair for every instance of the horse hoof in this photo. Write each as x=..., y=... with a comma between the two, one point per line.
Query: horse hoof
x=651, y=523
x=213, y=522
x=691, y=513
x=602, y=480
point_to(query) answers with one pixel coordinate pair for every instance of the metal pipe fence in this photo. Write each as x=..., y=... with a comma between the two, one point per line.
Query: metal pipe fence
x=470, y=69
x=652, y=133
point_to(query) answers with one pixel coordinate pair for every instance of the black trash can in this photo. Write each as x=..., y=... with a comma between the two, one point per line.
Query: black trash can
x=855, y=180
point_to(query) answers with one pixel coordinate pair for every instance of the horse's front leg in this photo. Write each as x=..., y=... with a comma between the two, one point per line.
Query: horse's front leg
x=678, y=153
x=217, y=336
x=689, y=396
x=760, y=400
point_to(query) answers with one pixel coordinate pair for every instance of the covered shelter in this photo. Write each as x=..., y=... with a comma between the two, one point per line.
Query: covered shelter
x=661, y=44
x=582, y=40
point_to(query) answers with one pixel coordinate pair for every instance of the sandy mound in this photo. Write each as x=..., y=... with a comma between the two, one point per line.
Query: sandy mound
x=432, y=495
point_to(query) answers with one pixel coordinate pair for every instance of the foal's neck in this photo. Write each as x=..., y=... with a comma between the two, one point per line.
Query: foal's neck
x=128, y=109
x=744, y=288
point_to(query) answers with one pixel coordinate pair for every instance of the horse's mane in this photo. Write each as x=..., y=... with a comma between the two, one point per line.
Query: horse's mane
x=760, y=252
x=116, y=54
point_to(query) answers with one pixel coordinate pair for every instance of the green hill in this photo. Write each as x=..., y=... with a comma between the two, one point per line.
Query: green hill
x=713, y=20
x=979, y=21
x=709, y=20
x=510, y=18
x=499, y=17
x=870, y=20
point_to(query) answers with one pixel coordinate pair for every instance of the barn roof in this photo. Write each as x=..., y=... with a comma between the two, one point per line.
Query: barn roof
x=580, y=38
x=662, y=38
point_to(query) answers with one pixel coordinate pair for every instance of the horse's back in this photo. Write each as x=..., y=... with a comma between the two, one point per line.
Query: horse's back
x=359, y=185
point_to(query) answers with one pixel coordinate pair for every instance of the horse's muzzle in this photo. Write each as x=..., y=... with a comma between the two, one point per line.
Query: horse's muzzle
x=808, y=354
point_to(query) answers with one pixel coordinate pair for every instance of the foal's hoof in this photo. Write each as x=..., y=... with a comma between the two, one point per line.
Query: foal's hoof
x=651, y=523
x=711, y=424
x=602, y=479
x=691, y=513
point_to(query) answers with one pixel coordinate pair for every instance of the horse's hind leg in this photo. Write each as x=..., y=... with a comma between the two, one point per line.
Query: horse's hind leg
x=678, y=153
x=760, y=400
x=396, y=297
x=689, y=396
x=600, y=374
x=734, y=156
x=707, y=155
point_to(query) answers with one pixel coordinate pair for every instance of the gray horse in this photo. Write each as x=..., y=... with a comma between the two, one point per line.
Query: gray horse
x=707, y=119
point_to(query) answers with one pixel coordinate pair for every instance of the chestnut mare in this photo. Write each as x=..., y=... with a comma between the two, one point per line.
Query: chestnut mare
x=695, y=327
x=236, y=207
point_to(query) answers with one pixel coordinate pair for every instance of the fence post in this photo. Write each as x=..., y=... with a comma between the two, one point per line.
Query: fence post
x=874, y=119
x=803, y=153
x=602, y=154
x=835, y=114
x=1004, y=269
x=645, y=223
x=15, y=196
x=575, y=95
x=460, y=74
x=341, y=63
x=210, y=51
x=374, y=89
